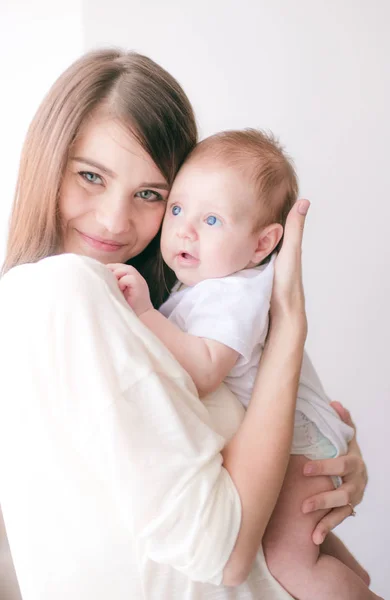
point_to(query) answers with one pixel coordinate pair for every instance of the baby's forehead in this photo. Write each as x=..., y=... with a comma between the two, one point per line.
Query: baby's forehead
x=216, y=172
x=214, y=185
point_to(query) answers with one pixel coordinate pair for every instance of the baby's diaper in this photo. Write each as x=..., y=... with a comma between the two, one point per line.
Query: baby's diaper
x=310, y=442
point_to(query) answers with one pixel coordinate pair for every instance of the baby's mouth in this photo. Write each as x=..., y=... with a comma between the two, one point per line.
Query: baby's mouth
x=187, y=258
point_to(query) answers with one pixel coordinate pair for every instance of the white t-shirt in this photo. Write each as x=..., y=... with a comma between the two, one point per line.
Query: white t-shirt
x=234, y=311
x=111, y=482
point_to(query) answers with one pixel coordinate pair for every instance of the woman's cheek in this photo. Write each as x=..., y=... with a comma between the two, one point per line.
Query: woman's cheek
x=156, y=220
x=71, y=199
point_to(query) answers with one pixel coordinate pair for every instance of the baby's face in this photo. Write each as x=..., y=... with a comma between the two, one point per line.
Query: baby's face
x=208, y=229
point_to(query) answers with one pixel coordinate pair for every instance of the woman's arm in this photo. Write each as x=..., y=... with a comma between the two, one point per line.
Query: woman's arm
x=257, y=456
x=266, y=431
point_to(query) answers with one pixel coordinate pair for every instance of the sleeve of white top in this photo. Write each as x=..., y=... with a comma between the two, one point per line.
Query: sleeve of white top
x=132, y=413
x=232, y=311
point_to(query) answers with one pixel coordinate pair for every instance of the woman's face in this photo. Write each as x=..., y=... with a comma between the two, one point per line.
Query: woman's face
x=113, y=196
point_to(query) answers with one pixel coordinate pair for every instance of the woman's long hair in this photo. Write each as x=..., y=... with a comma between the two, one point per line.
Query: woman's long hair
x=146, y=99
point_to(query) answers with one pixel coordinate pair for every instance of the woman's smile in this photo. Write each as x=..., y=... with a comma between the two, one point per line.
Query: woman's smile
x=101, y=244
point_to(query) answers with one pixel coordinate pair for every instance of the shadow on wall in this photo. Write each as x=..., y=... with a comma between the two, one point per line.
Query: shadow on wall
x=9, y=589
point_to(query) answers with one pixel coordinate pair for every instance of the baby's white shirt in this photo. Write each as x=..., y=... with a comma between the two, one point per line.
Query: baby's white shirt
x=231, y=310
x=234, y=311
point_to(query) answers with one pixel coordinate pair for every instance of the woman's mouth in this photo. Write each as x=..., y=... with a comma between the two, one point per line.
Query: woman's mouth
x=101, y=244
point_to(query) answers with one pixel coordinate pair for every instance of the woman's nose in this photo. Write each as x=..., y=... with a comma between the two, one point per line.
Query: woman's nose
x=114, y=217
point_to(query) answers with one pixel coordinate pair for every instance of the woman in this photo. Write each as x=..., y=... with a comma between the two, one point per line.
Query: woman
x=111, y=476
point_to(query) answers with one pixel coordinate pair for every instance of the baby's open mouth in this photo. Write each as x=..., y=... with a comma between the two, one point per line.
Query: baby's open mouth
x=188, y=258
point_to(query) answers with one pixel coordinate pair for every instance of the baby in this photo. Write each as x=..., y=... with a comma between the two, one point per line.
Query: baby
x=222, y=228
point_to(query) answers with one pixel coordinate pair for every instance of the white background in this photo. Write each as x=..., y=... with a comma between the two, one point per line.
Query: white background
x=315, y=72
x=37, y=42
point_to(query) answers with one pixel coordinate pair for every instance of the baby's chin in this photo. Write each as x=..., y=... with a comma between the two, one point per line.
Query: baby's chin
x=188, y=277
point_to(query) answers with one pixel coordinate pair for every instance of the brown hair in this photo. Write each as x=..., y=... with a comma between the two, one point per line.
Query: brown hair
x=264, y=161
x=145, y=98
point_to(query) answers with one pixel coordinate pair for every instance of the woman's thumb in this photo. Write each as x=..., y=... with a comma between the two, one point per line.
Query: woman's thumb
x=293, y=230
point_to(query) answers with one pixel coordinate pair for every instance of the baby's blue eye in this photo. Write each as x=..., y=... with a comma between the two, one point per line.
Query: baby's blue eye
x=176, y=210
x=213, y=221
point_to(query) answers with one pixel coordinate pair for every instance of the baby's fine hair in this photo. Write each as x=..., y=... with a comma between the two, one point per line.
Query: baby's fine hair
x=262, y=159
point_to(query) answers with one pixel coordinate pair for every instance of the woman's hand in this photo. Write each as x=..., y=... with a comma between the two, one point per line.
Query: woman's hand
x=341, y=501
x=288, y=300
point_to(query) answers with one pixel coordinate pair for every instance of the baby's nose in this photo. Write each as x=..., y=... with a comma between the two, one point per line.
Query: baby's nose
x=187, y=231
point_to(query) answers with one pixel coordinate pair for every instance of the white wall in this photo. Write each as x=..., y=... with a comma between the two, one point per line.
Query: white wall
x=38, y=40
x=316, y=73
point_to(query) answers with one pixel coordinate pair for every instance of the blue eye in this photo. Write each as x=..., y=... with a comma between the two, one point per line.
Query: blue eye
x=176, y=210
x=213, y=221
x=91, y=177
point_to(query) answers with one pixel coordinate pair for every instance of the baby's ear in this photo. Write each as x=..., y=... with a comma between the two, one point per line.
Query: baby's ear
x=268, y=239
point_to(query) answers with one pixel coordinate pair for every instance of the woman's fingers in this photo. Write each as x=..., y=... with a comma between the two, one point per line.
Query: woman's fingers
x=287, y=293
x=329, y=522
x=295, y=222
x=343, y=413
x=331, y=499
x=339, y=466
x=292, y=236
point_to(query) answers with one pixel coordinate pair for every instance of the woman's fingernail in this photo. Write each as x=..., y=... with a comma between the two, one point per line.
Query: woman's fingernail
x=303, y=207
x=308, y=469
x=308, y=507
x=321, y=538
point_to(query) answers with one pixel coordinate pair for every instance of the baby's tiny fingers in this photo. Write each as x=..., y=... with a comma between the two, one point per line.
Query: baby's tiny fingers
x=126, y=281
x=122, y=286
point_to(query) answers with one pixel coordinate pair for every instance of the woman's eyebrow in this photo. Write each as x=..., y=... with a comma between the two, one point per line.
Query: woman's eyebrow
x=160, y=185
x=93, y=163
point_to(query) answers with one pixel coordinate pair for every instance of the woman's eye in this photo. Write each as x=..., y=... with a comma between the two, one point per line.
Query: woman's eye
x=176, y=210
x=213, y=221
x=149, y=196
x=91, y=177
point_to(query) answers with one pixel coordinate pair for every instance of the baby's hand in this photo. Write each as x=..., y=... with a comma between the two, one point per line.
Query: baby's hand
x=134, y=287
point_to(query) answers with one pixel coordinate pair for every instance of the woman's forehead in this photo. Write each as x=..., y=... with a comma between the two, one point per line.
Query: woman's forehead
x=111, y=144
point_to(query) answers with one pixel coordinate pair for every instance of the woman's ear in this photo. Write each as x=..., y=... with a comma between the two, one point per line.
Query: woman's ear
x=268, y=238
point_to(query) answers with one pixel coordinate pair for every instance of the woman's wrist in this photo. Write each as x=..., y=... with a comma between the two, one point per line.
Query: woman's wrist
x=289, y=325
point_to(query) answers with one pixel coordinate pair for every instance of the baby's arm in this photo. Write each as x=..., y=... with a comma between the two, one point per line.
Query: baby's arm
x=207, y=361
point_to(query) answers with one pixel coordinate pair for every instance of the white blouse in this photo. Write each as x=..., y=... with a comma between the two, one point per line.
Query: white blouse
x=110, y=468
